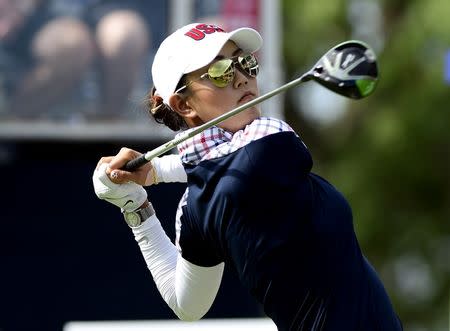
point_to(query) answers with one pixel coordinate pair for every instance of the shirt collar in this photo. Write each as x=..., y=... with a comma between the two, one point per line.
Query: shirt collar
x=194, y=149
x=216, y=142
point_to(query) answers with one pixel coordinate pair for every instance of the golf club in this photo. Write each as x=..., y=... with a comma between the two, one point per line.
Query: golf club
x=349, y=69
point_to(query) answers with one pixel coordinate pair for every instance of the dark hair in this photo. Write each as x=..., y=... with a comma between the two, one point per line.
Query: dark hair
x=162, y=113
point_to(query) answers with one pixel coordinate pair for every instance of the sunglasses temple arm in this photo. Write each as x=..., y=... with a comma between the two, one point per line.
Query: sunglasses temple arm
x=147, y=157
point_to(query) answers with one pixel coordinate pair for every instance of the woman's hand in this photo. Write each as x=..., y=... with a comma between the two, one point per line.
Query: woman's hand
x=145, y=175
x=121, y=188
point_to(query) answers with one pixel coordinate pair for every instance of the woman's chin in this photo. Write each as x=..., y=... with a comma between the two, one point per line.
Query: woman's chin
x=240, y=121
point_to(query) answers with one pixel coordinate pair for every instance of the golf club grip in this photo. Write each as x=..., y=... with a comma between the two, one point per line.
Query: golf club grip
x=136, y=163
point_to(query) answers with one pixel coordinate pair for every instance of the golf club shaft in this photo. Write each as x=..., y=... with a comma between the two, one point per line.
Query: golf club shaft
x=148, y=156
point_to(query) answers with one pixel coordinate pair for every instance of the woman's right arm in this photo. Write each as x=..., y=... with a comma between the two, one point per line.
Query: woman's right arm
x=188, y=289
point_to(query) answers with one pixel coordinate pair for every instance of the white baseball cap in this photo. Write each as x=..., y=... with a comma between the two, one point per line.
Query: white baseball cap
x=192, y=47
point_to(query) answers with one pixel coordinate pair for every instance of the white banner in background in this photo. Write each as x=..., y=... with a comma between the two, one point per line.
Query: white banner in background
x=248, y=324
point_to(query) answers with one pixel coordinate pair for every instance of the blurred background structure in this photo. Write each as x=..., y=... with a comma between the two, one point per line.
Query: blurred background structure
x=73, y=79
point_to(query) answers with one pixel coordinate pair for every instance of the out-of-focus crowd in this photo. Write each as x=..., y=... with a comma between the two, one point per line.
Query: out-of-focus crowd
x=86, y=58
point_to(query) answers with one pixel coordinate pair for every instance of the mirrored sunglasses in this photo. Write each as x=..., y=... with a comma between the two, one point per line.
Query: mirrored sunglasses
x=221, y=73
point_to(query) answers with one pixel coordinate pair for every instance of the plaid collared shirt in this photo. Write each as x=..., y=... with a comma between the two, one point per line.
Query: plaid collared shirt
x=216, y=142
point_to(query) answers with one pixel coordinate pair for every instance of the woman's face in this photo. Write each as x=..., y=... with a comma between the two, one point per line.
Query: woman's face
x=209, y=101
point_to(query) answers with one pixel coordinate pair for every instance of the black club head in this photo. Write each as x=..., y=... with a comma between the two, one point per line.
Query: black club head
x=349, y=69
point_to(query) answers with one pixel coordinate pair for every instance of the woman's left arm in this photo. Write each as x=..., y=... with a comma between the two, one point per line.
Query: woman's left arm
x=166, y=169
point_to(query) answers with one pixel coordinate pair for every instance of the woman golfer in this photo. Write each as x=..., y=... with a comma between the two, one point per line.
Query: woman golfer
x=251, y=201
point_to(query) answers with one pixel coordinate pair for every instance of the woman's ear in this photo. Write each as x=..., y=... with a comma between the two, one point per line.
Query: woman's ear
x=179, y=104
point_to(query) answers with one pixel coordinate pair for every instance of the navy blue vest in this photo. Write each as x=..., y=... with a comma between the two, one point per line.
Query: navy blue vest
x=289, y=235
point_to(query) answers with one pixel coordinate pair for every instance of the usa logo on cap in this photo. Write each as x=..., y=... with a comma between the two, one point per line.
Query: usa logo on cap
x=201, y=30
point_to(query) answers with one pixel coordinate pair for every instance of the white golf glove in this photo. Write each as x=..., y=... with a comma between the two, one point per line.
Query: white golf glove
x=129, y=196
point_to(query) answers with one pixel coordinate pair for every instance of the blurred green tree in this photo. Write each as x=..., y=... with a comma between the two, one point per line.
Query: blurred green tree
x=390, y=153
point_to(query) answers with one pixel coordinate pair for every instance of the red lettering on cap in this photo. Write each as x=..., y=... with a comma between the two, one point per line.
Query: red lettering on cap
x=209, y=28
x=199, y=32
x=195, y=34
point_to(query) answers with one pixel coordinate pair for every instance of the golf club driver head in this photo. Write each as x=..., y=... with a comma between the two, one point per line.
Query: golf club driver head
x=349, y=69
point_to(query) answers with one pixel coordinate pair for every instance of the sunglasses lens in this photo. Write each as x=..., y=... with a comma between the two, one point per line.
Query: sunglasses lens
x=249, y=63
x=221, y=73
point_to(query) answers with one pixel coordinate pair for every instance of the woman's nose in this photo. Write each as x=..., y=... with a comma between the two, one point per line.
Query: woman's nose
x=239, y=78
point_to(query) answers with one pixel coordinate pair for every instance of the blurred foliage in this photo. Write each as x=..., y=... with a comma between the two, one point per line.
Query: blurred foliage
x=390, y=154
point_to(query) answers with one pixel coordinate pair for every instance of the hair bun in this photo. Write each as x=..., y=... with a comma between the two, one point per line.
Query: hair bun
x=162, y=113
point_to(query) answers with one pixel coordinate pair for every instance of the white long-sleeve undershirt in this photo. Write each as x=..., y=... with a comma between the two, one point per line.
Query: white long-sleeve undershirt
x=188, y=289
x=169, y=169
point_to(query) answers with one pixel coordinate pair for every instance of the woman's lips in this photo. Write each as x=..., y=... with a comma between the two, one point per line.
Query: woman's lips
x=246, y=97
